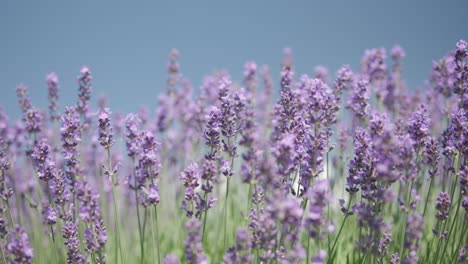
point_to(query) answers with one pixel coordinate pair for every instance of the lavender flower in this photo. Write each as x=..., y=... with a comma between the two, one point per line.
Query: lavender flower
x=319, y=199
x=432, y=155
x=193, y=246
x=442, y=206
x=18, y=248
x=50, y=215
x=190, y=177
x=461, y=69
x=414, y=228
x=213, y=128
x=395, y=259
x=373, y=67
x=164, y=116
x=171, y=259
x=267, y=89
x=84, y=90
x=383, y=246
x=320, y=257
x=71, y=136
x=173, y=69
x=362, y=165
x=359, y=100
x=241, y=252
x=23, y=98
x=418, y=127
x=250, y=80
x=343, y=81
x=131, y=125
x=462, y=255
x=288, y=212
x=443, y=75
x=373, y=64
x=70, y=234
x=106, y=135
x=464, y=180
x=287, y=76
x=33, y=121
x=52, y=85
x=321, y=73
x=148, y=168
x=398, y=53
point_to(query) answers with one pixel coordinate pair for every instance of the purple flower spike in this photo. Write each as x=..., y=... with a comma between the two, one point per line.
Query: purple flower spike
x=33, y=120
x=418, y=127
x=132, y=139
x=52, y=85
x=84, y=90
x=193, y=245
x=171, y=259
x=442, y=206
x=23, y=98
x=373, y=64
x=320, y=257
x=70, y=234
x=106, y=135
x=190, y=177
x=19, y=249
x=344, y=80
x=240, y=254
x=359, y=100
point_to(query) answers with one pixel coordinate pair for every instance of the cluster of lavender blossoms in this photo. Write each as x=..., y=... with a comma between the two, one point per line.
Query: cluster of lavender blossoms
x=351, y=168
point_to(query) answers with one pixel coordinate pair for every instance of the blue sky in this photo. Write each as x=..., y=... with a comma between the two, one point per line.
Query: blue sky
x=125, y=43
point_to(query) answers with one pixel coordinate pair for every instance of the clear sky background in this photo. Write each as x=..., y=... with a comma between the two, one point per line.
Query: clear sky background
x=125, y=43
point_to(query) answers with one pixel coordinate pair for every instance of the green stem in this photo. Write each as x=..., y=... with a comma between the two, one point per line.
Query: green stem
x=462, y=235
x=206, y=206
x=328, y=204
x=142, y=250
x=3, y=254
x=225, y=213
x=118, y=247
x=341, y=229
x=157, y=234
x=204, y=217
x=427, y=196
x=308, y=248
x=451, y=227
x=154, y=238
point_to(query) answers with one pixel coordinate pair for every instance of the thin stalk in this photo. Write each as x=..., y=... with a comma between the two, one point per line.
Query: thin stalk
x=157, y=233
x=226, y=199
x=328, y=204
x=407, y=202
x=118, y=247
x=204, y=217
x=308, y=248
x=427, y=196
x=53, y=242
x=9, y=213
x=462, y=235
x=451, y=227
x=249, y=199
x=206, y=196
x=153, y=237
x=3, y=254
x=225, y=212
x=341, y=229
x=142, y=250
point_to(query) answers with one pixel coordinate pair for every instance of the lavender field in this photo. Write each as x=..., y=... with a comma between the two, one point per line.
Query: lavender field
x=352, y=167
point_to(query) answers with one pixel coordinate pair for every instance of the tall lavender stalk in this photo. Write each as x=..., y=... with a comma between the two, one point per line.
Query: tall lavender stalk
x=148, y=172
x=133, y=144
x=106, y=139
